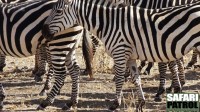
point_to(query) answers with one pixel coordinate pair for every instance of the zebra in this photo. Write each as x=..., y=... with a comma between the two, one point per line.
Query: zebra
x=40, y=56
x=162, y=66
x=127, y=33
x=21, y=36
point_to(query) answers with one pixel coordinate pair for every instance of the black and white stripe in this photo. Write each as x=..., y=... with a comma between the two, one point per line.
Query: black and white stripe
x=130, y=33
x=21, y=36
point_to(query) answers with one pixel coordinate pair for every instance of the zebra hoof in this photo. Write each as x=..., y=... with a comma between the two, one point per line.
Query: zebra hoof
x=38, y=78
x=158, y=98
x=177, y=90
x=114, y=106
x=169, y=90
x=69, y=106
x=43, y=105
x=160, y=91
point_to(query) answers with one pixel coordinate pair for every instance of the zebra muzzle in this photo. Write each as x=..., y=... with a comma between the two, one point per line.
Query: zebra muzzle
x=46, y=32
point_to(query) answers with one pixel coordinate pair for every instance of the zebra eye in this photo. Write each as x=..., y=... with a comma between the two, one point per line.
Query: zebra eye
x=59, y=11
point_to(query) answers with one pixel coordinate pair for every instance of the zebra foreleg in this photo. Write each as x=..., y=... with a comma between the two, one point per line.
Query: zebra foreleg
x=2, y=96
x=135, y=78
x=2, y=62
x=119, y=69
x=47, y=84
x=181, y=71
x=161, y=89
x=59, y=68
x=59, y=80
x=175, y=77
x=74, y=71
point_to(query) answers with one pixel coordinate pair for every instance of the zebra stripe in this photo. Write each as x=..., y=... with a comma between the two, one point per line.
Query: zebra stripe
x=130, y=33
x=21, y=36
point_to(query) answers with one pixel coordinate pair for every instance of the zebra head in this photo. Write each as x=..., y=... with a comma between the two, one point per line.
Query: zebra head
x=61, y=17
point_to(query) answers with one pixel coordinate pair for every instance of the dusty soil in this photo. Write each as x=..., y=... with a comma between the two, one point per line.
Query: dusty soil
x=22, y=91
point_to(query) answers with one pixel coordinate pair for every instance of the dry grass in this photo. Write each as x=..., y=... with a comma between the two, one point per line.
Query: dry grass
x=22, y=91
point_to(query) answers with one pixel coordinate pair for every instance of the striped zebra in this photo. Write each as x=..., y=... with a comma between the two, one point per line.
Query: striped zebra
x=40, y=57
x=130, y=33
x=21, y=36
x=177, y=71
x=162, y=66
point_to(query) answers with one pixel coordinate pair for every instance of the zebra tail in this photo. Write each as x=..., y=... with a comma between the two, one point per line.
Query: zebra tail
x=87, y=53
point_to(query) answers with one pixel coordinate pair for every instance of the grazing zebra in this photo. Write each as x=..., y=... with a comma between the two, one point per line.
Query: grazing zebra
x=130, y=33
x=21, y=36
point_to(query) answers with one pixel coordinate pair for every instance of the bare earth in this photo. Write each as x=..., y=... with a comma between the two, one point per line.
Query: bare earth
x=22, y=92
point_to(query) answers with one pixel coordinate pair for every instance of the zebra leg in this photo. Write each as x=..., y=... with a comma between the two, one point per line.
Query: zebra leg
x=2, y=62
x=47, y=84
x=181, y=71
x=161, y=89
x=175, y=78
x=193, y=60
x=148, y=69
x=135, y=78
x=41, y=63
x=181, y=74
x=58, y=63
x=127, y=74
x=74, y=71
x=119, y=69
x=2, y=96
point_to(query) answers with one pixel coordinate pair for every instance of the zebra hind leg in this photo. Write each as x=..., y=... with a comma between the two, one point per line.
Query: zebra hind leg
x=135, y=78
x=161, y=89
x=181, y=74
x=40, y=59
x=47, y=85
x=176, y=85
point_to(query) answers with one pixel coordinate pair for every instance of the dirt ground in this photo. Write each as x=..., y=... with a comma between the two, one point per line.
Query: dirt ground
x=22, y=91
